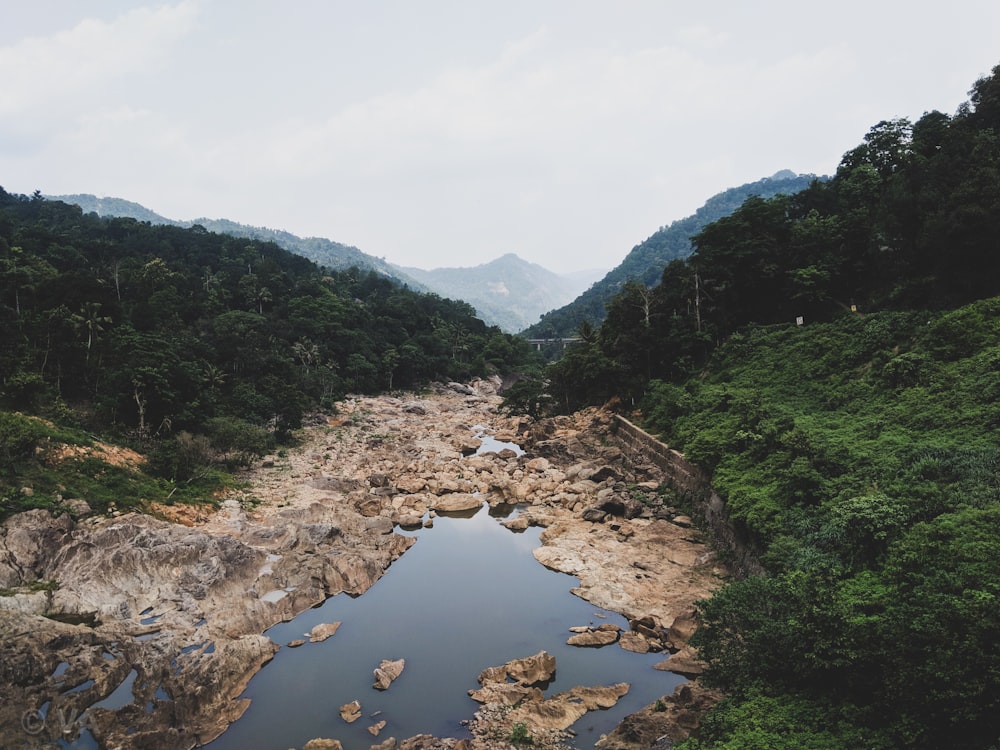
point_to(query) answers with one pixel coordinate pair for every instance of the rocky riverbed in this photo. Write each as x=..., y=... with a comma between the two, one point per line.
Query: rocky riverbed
x=157, y=622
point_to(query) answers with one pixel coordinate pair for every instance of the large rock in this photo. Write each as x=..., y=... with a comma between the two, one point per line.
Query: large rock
x=531, y=670
x=673, y=717
x=684, y=662
x=387, y=671
x=456, y=502
x=563, y=709
x=323, y=631
x=506, y=693
x=321, y=743
x=634, y=642
x=595, y=637
x=684, y=626
x=351, y=712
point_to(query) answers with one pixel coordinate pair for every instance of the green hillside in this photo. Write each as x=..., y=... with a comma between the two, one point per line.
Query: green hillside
x=321, y=251
x=832, y=359
x=200, y=349
x=645, y=262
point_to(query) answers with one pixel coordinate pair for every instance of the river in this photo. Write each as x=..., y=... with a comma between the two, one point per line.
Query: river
x=466, y=596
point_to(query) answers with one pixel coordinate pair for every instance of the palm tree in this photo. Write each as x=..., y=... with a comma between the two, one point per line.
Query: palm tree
x=90, y=320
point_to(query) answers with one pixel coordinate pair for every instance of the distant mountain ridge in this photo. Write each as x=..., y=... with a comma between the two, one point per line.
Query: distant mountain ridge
x=509, y=292
x=646, y=261
x=334, y=255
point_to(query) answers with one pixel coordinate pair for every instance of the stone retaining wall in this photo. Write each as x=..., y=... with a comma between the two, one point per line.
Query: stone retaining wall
x=692, y=485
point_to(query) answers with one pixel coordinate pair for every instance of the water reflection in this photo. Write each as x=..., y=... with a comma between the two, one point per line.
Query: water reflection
x=466, y=596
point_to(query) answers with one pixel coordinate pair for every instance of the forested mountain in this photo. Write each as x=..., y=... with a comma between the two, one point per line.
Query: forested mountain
x=322, y=251
x=508, y=292
x=832, y=359
x=645, y=262
x=190, y=343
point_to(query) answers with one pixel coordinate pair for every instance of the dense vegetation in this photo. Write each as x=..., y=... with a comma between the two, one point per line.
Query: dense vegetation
x=199, y=348
x=645, y=261
x=858, y=452
x=327, y=253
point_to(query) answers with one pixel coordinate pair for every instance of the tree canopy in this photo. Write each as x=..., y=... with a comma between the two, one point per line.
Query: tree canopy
x=145, y=332
x=831, y=358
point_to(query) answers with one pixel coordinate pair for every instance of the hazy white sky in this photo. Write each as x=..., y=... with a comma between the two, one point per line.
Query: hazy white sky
x=448, y=132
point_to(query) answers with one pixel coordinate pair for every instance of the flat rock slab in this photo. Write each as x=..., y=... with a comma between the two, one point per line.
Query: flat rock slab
x=562, y=710
x=593, y=638
x=634, y=642
x=454, y=502
x=684, y=662
x=529, y=671
x=323, y=631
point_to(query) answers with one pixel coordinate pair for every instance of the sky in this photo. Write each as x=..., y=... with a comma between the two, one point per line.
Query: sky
x=442, y=133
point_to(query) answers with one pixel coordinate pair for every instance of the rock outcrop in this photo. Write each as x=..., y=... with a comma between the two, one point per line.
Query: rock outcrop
x=670, y=720
x=546, y=717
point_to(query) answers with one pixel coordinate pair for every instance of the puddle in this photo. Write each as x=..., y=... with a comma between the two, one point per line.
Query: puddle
x=121, y=695
x=490, y=444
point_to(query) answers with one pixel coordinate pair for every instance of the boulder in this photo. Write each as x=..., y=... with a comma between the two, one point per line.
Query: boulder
x=529, y=671
x=351, y=712
x=560, y=711
x=410, y=520
x=377, y=727
x=378, y=480
x=622, y=505
x=634, y=642
x=322, y=631
x=506, y=693
x=468, y=446
x=456, y=502
x=387, y=671
x=411, y=485
x=538, y=464
x=594, y=637
x=670, y=720
x=684, y=662
x=321, y=743
x=684, y=626
x=379, y=525
x=518, y=523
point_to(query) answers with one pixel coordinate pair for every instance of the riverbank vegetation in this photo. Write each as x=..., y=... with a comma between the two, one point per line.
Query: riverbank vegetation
x=832, y=358
x=202, y=350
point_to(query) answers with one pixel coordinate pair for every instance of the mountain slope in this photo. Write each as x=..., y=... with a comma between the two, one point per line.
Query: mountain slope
x=646, y=261
x=322, y=251
x=508, y=292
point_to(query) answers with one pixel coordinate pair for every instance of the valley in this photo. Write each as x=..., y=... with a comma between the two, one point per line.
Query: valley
x=174, y=605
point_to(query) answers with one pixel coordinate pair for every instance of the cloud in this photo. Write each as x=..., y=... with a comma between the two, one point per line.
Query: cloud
x=58, y=73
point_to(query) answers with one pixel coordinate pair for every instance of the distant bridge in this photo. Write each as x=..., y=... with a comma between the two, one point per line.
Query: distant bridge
x=539, y=343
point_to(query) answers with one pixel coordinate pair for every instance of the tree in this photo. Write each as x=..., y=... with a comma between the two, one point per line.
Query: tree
x=90, y=321
x=940, y=631
x=526, y=397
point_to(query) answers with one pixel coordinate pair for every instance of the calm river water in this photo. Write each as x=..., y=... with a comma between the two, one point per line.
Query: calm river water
x=466, y=596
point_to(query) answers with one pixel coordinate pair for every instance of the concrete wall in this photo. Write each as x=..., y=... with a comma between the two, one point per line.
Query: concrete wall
x=694, y=489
